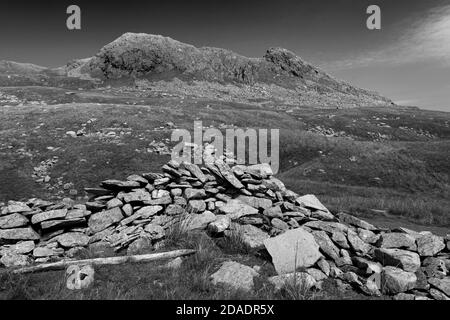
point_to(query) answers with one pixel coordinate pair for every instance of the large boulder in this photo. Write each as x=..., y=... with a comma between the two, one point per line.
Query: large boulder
x=235, y=276
x=293, y=249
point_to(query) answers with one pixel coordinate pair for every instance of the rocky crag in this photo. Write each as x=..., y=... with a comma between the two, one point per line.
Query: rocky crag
x=303, y=238
x=157, y=63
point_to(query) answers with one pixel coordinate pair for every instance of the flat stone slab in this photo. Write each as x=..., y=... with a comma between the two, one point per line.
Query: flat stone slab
x=293, y=249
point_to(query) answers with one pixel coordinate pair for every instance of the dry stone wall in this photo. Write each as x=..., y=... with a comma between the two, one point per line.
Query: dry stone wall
x=301, y=235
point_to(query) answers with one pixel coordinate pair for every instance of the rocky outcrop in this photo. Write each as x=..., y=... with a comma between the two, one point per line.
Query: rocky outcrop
x=154, y=57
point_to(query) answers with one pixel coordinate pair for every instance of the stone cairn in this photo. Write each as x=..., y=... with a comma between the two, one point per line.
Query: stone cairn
x=301, y=235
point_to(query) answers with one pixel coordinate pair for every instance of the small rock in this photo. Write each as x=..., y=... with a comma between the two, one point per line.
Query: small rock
x=235, y=275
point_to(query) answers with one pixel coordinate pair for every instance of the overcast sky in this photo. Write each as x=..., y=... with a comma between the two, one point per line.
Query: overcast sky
x=408, y=60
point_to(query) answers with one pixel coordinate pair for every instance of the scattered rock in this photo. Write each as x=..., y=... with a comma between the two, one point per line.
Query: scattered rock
x=235, y=275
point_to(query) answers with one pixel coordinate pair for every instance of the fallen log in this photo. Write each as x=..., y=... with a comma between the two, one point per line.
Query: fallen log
x=105, y=261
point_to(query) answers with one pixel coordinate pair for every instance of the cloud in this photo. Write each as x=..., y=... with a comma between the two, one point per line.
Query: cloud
x=425, y=40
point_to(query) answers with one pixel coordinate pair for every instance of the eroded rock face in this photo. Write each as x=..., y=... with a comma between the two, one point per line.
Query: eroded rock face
x=234, y=275
x=293, y=249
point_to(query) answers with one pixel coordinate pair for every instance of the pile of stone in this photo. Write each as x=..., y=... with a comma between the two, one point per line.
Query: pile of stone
x=301, y=235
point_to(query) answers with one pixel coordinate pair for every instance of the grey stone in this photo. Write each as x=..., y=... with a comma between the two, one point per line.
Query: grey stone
x=395, y=280
x=326, y=245
x=102, y=220
x=236, y=209
x=279, y=224
x=149, y=211
x=356, y=243
x=13, y=220
x=340, y=239
x=329, y=227
x=11, y=259
x=235, y=275
x=438, y=295
x=49, y=215
x=137, y=196
x=219, y=225
x=407, y=260
x=397, y=240
x=273, y=212
x=114, y=203
x=200, y=220
x=252, y=236
x=429, y=245
x=174, y=210
x=368, y=236
x=441, y=284
x=262, y=170
x=19, y=234
x=196, y=206
x=139, y=245
x=310, y=201
x=191, y=193
x=72, y=239
x=194, y=170
x=354, y=221
x=112, y=184
x=255, y=202
x=15, y=207
x=293, y=249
